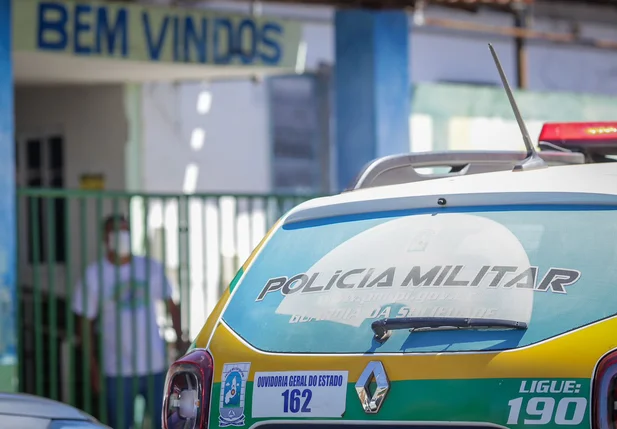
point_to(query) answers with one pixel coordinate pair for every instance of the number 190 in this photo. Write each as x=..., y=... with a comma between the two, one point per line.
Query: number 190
x=541, y=411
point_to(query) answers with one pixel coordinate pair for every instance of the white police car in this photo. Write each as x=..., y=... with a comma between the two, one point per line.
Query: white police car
x=469, y=300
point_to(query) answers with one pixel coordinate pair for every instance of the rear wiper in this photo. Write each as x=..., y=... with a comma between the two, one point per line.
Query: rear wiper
x=383, y=327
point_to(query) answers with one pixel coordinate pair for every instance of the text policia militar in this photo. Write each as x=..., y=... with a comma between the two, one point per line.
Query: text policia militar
x=443, y=276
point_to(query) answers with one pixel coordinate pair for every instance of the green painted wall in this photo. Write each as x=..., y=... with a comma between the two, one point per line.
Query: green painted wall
x=473, y=117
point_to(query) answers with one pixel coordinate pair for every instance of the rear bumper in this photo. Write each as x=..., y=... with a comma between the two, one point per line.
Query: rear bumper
x=372, y=424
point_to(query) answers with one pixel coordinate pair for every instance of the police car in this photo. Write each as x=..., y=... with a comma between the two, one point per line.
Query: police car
x=481, y=299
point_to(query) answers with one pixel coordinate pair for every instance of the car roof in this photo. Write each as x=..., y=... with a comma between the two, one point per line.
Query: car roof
x=567, y=184
x=22, y=404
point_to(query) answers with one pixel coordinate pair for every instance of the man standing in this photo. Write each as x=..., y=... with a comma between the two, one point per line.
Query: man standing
x=120, y=294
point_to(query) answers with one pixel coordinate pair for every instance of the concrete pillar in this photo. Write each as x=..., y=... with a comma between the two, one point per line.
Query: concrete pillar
x=8, y=282
x=372, y=88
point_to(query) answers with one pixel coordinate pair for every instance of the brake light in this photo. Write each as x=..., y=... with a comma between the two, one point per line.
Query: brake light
x=579, y=133
x=604, y=393
x=187, y=391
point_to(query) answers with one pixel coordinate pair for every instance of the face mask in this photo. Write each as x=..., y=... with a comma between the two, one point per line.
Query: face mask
x=123, y=240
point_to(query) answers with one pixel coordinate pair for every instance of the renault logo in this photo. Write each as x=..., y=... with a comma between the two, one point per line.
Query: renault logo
x=371, y=402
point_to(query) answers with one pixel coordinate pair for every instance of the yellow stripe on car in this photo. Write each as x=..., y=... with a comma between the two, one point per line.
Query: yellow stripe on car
x=562, y=356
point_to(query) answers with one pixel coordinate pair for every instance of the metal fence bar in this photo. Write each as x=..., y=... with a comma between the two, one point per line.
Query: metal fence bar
x=219, y=232
x=150, y=381
x=164, y=246
x=200, y=241
x=134, y=302
x=85, y=331
x=70, y=321
x=36, y=258
x=20, y=297
x=99, y=269
x=82, y=193
x=120, y=390
x=187, y=268
x=51, y=299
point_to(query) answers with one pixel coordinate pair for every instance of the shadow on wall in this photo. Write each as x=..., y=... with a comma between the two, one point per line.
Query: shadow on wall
x=217, y=132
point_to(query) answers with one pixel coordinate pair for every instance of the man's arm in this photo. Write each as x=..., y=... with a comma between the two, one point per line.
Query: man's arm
x=176, y=319
x=164, y=289
x=85, y=306
x=85, y=328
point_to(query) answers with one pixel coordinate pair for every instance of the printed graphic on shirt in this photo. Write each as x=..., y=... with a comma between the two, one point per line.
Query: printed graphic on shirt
x=128, y=295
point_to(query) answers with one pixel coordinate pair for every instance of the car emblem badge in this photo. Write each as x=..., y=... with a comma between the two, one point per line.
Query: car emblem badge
x=372, y=401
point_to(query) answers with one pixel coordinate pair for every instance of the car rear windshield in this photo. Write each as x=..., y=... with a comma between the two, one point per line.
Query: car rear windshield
x=317, y=286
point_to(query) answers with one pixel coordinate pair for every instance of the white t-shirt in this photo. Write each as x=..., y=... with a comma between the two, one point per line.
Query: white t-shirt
x=113, y=294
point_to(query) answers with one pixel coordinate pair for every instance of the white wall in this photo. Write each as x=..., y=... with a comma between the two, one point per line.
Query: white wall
x=206, y=137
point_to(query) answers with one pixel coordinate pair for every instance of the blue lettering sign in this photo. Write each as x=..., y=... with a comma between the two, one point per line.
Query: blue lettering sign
x=248, y=41
x=87, y=21
x=268, y=34
x=81, y=26
x=176, y=40
x=90, y=29
x=247, y=26
x=154, y=48
x=198, y=41
x=223, y=31
x=110, y=33
x=51, y=32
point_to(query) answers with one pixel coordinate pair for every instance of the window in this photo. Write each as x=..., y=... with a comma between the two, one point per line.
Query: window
x=296, y=130
x=40, y=164
x=321, y=284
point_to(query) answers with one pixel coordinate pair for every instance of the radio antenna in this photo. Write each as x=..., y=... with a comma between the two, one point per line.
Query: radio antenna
x=533, y=160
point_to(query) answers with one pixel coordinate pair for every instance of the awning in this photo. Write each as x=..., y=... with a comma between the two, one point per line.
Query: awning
x=401, y=4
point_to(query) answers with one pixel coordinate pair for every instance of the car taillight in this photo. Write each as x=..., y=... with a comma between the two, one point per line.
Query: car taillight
x=187, y=391
x=604, y=393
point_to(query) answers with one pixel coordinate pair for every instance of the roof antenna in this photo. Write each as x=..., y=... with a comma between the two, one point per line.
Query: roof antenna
x=533, y=160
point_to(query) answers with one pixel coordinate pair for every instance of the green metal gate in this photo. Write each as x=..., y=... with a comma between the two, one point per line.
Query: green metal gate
x=199, y=240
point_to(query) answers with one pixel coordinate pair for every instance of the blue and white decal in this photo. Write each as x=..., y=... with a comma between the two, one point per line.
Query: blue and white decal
x=233, y=394
x=300, y=394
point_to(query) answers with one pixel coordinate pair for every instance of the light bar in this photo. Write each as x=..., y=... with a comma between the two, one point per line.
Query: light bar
x=580, y=133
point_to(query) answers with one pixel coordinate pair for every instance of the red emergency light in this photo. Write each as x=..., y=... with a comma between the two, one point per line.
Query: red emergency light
x=580, y=134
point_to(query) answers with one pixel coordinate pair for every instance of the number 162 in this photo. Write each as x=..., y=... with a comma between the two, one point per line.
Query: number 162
x=297, y=400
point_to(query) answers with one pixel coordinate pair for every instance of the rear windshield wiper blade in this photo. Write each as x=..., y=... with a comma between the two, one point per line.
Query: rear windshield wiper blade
x=383, y=327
